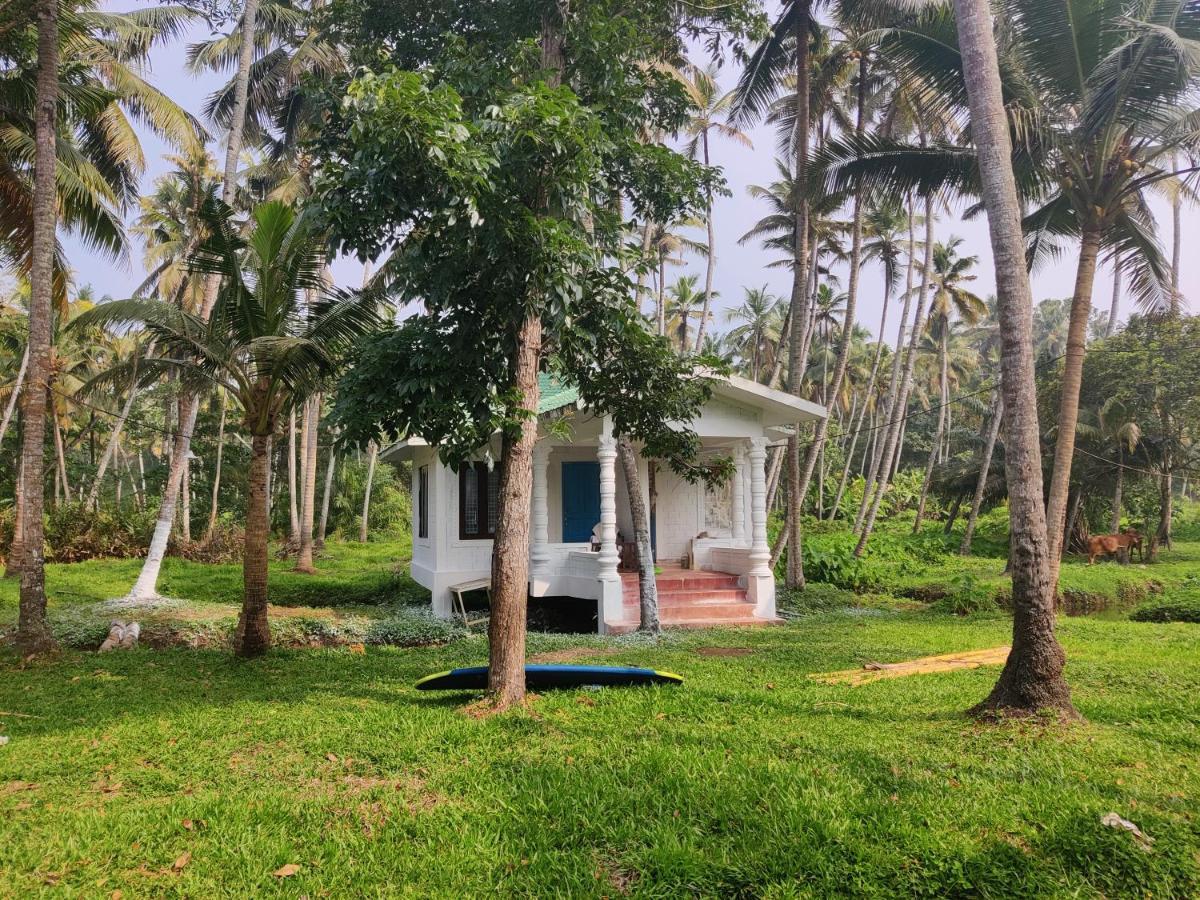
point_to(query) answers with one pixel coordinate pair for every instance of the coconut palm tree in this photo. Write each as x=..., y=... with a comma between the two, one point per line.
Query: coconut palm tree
x=750, y=339
x=684, y=305
x=1117, y=430
x=667, y=244
x=1032, y=679
x=710, y=108
x=264, y=344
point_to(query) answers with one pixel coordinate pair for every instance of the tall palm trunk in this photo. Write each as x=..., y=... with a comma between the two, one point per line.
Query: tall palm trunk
x=253, y=635
x=935, y=450
x=1068, y=407
x=13, y=397
x=889, y=404
x=213, y=506
x=146, y=586
x=372, y=459
x=799, y=299
x=985, y=466
x=893, y=442
x=33, y=630
x=1032, y=679
x=330, y=468
x=293, y=491
x=12, y=564
x=1111, y=326
x=114, y=440
x=312, y=412
x=1176, y=240
x=1116, y=503
x=816, y=449
x=662, y=291
x=648, y=621
x=61, y=456
x=711, y=265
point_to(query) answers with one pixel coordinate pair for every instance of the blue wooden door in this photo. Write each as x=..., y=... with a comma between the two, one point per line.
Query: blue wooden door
x=580, y=500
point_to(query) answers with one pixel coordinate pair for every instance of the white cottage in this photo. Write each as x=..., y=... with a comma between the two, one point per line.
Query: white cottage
x=710, y=544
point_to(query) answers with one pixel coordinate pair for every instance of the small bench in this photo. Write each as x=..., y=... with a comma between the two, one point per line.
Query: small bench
x=458, y=591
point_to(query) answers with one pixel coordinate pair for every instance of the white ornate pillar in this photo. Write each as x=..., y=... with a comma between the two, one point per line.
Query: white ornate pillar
x=610, y=605
x=737, y=497
x=539, y=544
x=760, y=581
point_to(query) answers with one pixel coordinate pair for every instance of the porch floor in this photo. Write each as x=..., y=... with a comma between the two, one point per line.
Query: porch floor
x=689, y=598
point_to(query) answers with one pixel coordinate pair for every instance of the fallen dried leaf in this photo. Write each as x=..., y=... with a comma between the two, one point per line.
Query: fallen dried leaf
x=1112, y=820
x=116, y=895
x=182, y=860
x=286, y=871
x=189, y=824
x=357, y=649
x=332, y=757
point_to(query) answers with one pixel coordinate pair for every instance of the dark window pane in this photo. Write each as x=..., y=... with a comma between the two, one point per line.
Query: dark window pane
x=470, y=487
x=493, y=500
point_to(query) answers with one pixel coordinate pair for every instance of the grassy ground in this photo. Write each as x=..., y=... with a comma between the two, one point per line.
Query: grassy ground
x=186, y=773
x=182, y=772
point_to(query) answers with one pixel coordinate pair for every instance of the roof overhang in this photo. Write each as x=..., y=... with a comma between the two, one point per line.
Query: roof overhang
x=402, y=451
x=777, y=407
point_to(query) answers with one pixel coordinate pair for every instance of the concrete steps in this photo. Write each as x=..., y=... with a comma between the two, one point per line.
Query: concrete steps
x=691, y=599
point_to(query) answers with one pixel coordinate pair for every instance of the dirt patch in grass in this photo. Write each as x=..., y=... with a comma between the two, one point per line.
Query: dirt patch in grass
x=724, y=651
x=573, y=654
x=948, y=662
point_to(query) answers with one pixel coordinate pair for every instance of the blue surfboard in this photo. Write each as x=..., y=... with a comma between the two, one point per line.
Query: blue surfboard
x=543, y=677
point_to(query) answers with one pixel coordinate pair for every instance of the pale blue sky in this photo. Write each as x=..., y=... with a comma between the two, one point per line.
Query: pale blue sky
x=737, y=266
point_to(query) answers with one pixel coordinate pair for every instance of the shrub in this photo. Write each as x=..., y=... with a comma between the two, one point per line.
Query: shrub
x=408, y=627
x=75, y=533
x=815, y=597
x=968, y=596
x=1185, y=609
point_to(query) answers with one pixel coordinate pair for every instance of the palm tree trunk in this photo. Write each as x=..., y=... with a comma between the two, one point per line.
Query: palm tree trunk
x=330, y=468
x=662, y=292
x=293, y=492
x=985, y=465
x=1116, y=503
x=893, y=441
x=1176, y=240
x=1068, y=408
x=648, y=621
x=1032, y=679
x=12, y=563
x=889, y=404
x=33, y=630
x=711, y=265
x=146, y=586
x=799, y=299
x=1116, y=297
x=253, y=635
x=14, y=396
x=61, y=456
x=114, y=440
x=216, y=486
x=935, y=450
x=312, y=412
x=372, y=458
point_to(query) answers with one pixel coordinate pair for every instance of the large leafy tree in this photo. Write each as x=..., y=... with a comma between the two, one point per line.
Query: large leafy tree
x=499, y=183
x=274, y=336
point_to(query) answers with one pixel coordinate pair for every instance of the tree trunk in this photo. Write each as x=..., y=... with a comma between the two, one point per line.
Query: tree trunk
x=293, y=491
x=114, y=439
x=937, y=437
x=61, y=455
x=799, y=299
x=147, y=582
x=312, y=413
x=889, y=403
x=33, y=630
x=1068, y=408
x=1162, y=537
x=662, y=292
x=253, y=635
x=216, y=486
x=952, y=516
x=989, y=448
x=1116, y=297
x=900, y=409
x=1116, y=503
x=1176, y=239
x=1032, y=679
x=329, y=472
x=711, y=265
x=510, y=550
x=14, y=396
x=145, y=588
x=372, y=458
x=12, y=564
x=648, y=621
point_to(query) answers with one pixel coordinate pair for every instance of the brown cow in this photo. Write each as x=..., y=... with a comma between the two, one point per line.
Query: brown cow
x=1109, y=544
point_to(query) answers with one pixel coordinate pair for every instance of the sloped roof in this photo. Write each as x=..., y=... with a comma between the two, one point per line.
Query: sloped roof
x=554, y=394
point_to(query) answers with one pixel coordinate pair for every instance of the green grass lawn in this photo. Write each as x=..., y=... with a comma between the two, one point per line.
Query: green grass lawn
x=185, y=773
